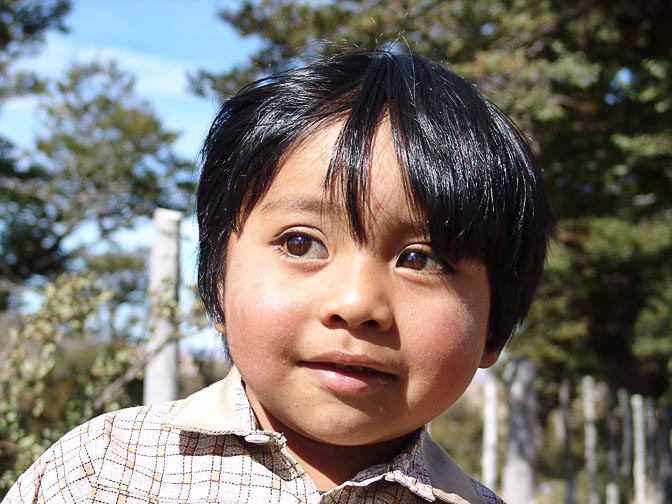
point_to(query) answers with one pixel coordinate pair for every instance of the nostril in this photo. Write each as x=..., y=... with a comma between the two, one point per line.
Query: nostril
x=339, y=320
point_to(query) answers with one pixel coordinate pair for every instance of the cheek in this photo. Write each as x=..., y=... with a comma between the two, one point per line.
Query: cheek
x=462, y=330
x=446, y=351
x=450, y=328
x=258, y=312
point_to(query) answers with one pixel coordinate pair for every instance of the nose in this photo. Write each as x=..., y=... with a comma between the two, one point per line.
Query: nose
x=357, y=296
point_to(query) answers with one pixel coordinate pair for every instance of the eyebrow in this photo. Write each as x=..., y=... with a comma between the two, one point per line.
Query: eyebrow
x=319, y=206
x=307, y=205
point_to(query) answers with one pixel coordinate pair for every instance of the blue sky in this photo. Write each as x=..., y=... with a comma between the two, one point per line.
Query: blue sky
x=159, y=42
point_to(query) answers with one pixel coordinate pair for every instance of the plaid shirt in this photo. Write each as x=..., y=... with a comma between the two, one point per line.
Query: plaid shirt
x=207, y=449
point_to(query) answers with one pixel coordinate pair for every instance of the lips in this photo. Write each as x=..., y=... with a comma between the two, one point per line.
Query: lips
x=351, y=369
x=350, y=362
x=346, y=368
x=346, y=373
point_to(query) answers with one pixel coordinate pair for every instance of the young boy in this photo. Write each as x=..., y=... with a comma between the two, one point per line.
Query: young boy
x=371, y=231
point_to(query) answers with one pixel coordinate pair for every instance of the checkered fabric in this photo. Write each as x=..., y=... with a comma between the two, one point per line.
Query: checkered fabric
x=206, y=449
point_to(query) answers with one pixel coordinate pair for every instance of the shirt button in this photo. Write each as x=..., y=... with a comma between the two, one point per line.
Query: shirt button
x=258, y=438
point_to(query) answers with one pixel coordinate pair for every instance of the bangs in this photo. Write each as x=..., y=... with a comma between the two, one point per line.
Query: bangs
x=455, y=170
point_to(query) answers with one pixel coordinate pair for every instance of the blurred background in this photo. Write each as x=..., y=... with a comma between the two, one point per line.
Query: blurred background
x=103, y=105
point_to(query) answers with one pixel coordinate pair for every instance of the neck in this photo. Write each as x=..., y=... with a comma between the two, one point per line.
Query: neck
x=329, y=465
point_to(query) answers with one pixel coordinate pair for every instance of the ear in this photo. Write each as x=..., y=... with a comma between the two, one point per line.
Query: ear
x=220, y=327
x=489, y=358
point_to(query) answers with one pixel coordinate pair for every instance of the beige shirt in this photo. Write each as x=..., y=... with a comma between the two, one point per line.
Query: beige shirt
x=207, y=448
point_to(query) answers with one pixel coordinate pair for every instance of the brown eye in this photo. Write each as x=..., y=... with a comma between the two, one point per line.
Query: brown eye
x=419, y=260
x=303, y=246
x=412, y=259
x=298, y=245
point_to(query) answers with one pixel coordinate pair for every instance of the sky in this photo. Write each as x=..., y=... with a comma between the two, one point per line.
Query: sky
x=158, y=42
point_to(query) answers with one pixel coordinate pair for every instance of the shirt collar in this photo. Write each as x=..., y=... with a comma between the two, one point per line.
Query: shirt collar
x=219, y=409
x=407, y=469
x=423, y=467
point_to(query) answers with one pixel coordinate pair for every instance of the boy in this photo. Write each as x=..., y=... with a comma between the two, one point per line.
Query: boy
x=371, y=231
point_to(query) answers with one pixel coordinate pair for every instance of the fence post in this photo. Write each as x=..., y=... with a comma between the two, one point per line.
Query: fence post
x=588, y=393
x=518, y=473
x=490, y=425
x=626, y=448
x=653, y=459
x=161, y=372
x=613, y=491
x=639, y=467
x=564, y=398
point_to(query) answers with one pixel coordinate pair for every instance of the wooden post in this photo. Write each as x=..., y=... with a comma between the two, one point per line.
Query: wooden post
x=639, y=467
x=590, y=430
x=613, y=491
x=161, y=372
x=653, y=459
x=518, y=474
x=565, y=403
x=626, y=447
x=490, y=427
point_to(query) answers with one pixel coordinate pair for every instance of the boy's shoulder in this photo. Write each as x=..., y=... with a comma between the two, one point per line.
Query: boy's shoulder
x=130, y=451
x=123, y=429
x=69, y=469
x=444, y=473
x=487, y=495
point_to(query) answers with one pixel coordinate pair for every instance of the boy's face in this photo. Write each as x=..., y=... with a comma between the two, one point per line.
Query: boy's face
x=341, y=342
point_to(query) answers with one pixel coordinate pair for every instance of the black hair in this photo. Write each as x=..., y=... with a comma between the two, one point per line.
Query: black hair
x=465, y=165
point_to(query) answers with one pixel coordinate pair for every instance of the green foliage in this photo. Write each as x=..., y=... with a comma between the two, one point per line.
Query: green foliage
x=66, y=362
x=107, y=149
x=23, y=24
x=653, y=325
x=27, y=370
x=125, y=276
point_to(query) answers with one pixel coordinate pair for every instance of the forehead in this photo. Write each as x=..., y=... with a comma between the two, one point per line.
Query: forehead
x=303, y=181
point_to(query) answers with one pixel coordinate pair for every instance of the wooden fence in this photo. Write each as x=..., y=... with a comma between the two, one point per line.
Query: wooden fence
x=627, y=457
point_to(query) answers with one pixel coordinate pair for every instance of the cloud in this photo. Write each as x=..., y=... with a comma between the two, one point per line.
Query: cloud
x=155, y=75
x=160, y=80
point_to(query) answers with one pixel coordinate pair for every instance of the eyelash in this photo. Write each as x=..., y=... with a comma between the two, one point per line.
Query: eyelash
x=283, y=241
x=442, y=266
x=426, y=256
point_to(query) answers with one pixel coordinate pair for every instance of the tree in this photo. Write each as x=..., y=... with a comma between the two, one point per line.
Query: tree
x=589, y=81
x=56, y=365
x=29, y=388
x=105, y=162
x=23, y=24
